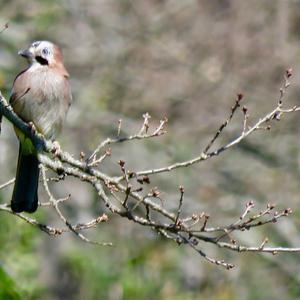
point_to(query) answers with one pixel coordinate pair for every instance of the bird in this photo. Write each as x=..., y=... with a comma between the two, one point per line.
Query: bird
x=40, y=96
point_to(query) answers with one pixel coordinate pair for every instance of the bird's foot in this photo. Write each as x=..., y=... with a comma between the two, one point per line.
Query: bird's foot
x=56, y=148
x=32, y=128
x=0, y=122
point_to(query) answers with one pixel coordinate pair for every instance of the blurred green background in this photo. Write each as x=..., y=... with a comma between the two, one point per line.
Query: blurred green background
x=185, y=60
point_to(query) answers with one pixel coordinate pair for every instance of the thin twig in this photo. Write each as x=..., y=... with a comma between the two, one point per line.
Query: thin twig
x=8, y=183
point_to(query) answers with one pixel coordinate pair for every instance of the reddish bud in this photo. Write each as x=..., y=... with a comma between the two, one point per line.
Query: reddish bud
x=287, y=211
x=140, y=180
x=146, y=179
x=82, y=155
x=121, y=163
x=155, y=192
x=250, y=204
x=289, y=72
x=240, y=96
x=195, y=217
x=271, y=206
x=130, y=174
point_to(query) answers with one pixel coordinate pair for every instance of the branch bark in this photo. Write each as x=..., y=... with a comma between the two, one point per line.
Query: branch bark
x=121, y=197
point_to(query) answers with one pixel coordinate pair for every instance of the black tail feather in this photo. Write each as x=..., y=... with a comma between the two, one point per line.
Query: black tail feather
x=0, y=122
x=25, y=197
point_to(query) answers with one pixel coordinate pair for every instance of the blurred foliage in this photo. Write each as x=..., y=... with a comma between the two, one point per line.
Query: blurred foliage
x=185, y=60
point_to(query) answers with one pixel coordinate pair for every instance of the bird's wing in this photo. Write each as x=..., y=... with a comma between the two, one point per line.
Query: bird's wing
x=20, y=89
x=67, y=94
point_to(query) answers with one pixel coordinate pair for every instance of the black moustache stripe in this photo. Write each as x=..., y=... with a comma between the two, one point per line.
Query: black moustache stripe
x=41, y=60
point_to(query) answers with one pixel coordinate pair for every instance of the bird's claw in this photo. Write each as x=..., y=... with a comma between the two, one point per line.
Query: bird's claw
x=56, y=148
x=32, y=128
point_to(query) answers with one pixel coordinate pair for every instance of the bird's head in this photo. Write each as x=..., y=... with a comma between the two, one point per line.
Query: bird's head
x=42, y=52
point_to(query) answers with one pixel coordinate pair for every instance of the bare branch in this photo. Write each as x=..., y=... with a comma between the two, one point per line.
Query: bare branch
x=8, y=183
x=127, y=195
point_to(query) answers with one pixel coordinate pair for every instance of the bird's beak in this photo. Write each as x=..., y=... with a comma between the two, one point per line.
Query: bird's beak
x=26, y=53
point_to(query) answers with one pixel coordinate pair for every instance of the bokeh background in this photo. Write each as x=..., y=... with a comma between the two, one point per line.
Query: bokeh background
x=185, y=60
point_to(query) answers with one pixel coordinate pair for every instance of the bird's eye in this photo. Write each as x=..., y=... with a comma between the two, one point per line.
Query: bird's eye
x=45, y=51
